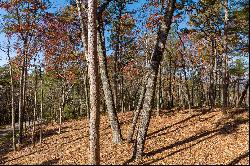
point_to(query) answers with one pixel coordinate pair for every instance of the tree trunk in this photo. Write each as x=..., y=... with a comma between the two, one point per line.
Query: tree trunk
x=225, y=77
x=41, y=108
x=61, y=109
x=20, y=119
x=152, y=77
x=94, y=120
x=243, y=94
x=137, y=112
x=35, y=109
x=86, y=90
x=12, y=99
x=159, y=93
x=112, y=114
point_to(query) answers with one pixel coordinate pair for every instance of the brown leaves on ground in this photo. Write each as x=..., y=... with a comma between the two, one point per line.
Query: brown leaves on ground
x=176, y=137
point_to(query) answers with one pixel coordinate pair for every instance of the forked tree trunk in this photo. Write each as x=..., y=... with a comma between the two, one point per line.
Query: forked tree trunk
x=152, y=77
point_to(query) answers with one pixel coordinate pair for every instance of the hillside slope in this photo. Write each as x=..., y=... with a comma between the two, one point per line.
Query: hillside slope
x=176, y=137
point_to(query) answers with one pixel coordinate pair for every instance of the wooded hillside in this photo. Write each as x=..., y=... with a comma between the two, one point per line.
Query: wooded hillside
x=168, y=81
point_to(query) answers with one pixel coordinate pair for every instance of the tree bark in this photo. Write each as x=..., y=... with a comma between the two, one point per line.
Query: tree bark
x=35, y=109
x=41, y=108
x=20, y=109
x=152, y=77
x=225, y=73
x=12, y=99
x=137, y=112
x=94, y=120
x=159, y=93
x=108, y=95
x=61, y=109
x=243, y=94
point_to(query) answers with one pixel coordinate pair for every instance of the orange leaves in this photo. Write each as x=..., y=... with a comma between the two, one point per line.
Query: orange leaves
x=130, y=71
x=153, y=21
x=127, y=23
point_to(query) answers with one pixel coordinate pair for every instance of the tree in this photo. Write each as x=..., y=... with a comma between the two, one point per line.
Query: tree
x=94, y=119
x=152, y=77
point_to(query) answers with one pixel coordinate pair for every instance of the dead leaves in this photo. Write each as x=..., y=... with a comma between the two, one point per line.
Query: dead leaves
x=182, y=138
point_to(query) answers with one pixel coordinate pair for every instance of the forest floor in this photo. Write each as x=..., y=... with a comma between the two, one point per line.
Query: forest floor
x=175, y=137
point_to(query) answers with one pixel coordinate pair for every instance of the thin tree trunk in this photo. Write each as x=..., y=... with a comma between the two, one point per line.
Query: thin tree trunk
x=159, y=93
x=35, y=109
x=225, y=73
x=61, y=109
x=12, y=99
x=20, y=111
x=41, y=108
x=24, y=97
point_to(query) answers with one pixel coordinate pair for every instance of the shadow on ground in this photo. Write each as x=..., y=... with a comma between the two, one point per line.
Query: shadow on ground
x=227, y=125
x=6, y=147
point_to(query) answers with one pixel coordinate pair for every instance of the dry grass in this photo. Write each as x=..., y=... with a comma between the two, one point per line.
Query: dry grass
x=176, y=137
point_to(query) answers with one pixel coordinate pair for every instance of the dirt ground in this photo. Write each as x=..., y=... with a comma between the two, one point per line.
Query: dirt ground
x=175, y=137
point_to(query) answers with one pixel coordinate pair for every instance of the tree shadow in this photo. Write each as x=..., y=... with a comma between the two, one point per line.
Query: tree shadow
x=6, y=147
x=179, y=150
x=226, y=128
x=50, y=162
x=182, y=121
x=242, y=156
x=179, y=143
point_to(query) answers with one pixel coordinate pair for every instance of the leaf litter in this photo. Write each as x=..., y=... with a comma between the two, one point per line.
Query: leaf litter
x=174, y=137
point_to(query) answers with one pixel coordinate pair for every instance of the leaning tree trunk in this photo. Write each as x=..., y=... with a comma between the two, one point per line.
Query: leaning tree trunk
x=94, y=120
x=152, y=77
x=243, y=94
x=137, y=111
x=114, y=123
